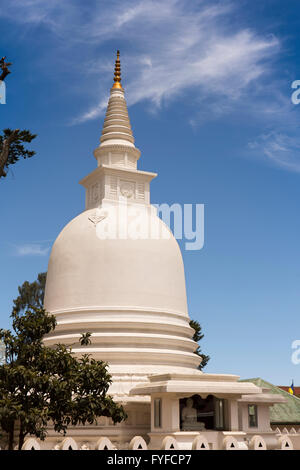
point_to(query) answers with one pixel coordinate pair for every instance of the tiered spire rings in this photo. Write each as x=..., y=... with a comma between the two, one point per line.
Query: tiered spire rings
x=117, y=74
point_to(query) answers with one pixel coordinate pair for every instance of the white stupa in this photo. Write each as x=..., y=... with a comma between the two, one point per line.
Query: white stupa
x=129, y=291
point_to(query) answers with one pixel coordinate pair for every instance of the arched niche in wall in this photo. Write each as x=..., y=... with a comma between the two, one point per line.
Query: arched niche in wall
x=138, y=443
x=230, y=443
x=68, y=444
x=200, y=443
x=104, y=444
x=257, y=443
x=285, y=443
x=169, y=443
x=31, y=444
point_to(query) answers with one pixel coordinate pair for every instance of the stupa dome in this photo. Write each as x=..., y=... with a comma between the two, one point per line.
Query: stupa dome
x=86, y=271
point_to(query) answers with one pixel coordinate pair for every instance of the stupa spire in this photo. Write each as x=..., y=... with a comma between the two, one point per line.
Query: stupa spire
x=117, y=129
x=117, y=74
x=117, y=177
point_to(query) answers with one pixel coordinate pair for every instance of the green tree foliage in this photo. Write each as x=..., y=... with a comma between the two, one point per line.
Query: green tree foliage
x=31, y=293
x=40, y=384
x=198, y=335
x=12, y=148
x=11, y=142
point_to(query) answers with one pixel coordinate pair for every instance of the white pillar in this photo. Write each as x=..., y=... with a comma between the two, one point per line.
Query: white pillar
x=170, y=419
x=233, y=418
x=170, y=414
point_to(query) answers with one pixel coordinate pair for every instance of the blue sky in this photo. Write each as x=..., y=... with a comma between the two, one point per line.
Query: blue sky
x=208, y=85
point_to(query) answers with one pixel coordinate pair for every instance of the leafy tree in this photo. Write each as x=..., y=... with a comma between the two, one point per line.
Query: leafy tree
x=198, y=335
x=12, y=149
x=40, y=384
x=11, y=142
x=31, y=293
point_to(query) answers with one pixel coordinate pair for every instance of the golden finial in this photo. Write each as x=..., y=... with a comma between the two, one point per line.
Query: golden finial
x=117, y=74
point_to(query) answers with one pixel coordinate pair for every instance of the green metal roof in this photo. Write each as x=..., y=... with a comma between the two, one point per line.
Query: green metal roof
x=280, y=413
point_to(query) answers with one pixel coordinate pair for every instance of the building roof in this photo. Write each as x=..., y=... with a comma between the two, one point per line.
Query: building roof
x=280, y=413
x=223, y=385
x=286, y=388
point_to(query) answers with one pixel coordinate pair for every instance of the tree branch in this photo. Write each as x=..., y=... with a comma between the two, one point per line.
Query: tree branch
x=5, y=150
x=4, y=67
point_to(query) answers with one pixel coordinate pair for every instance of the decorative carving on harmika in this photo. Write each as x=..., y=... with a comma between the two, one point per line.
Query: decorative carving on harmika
x=127, y=189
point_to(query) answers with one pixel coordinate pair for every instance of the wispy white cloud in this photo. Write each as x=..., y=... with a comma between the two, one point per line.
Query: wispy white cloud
x=182, y=50
x=178, y=46
x=279, y=141
x=281, y=149
x=32, y=249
